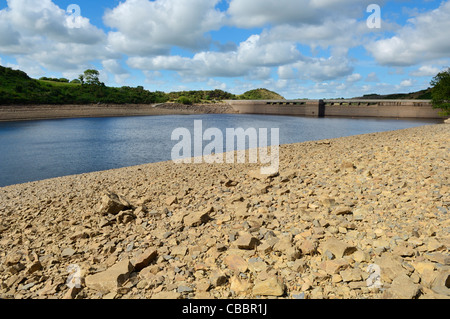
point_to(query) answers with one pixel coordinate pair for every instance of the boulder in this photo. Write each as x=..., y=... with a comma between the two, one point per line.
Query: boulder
x=111, y=279
x=144, y=259
x=196, y=219
x=403, y=287
x=337, y=247
x=272, y=286
x=112, y=203
x=236, y=263
x=246, y=241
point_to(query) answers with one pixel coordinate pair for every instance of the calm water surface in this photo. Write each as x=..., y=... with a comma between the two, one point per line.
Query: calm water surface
x=36, y=150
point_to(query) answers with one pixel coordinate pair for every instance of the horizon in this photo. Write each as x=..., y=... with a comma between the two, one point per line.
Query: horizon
x=300, y=49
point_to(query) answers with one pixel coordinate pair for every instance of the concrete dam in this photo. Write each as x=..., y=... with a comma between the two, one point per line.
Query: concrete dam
x=339, y=108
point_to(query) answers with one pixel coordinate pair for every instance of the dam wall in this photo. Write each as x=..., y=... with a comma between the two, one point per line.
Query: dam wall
x=279, y=107
x=339, y=108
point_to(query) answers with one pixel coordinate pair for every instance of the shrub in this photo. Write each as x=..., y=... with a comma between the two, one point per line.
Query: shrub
x=184, y=100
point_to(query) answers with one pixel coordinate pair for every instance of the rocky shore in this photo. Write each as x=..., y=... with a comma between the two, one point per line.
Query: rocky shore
x=41, y=112
x=357, y=217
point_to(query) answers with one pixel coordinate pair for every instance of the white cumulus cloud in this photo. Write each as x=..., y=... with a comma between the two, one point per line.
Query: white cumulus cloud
x=39, y=34
x=143, y=27
x=422, y=39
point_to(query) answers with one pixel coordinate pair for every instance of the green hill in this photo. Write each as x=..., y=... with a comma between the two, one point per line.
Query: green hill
x=260, y=94
x=16, y=87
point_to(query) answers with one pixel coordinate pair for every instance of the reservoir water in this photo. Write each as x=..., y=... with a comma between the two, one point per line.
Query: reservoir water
x=36, y=150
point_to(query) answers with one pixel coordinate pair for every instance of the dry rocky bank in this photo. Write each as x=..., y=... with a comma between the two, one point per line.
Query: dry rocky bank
x=338, y=213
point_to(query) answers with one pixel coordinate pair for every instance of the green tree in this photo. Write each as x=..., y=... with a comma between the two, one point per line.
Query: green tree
x=81, y=79
x=90, y=77
x=440, y=92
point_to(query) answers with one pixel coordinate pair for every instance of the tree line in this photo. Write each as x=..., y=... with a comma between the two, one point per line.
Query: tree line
x=16, y=87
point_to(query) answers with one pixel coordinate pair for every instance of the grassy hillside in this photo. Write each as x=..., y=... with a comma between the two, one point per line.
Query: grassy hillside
x=260, y=94
x=16, y=87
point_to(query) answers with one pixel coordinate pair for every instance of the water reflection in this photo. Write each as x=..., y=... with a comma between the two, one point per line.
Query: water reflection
x=35, y=150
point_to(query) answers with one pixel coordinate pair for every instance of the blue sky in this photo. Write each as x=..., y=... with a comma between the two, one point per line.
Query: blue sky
x=299, y=48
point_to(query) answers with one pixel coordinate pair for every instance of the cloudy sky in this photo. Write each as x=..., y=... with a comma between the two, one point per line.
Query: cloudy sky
x=298, y=48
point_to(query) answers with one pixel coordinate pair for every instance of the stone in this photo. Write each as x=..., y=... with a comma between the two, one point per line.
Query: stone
x=33, y=267
x=110, y=279
x=441, y=284
x=272, y=286
x=196, y=219
x=125, y=217
x=391, y=267
x=328, y=202
x=239, y=286
x=264, y=248
x=241, y=209
x=351, y=275
x=236, y=263
x=342, y=210
x=257, y=265
x=169, y=295
x=13, y=259
x=179, y=251
x=338, y=248
x=434, y=245
x=299, y=266
x=140, y=211
x=283, y=244
x=287, y=248
x=422, y=267
x=203, y=285
x=334, y=266
x=218, y=278
x=68, y=252
x=184, y=289
x=347, y=165
x=113, y=204
x=221, y=247
x=171, y=200
x=144, y=259
x=298, y=295
x=256, y=174
x=308, y=247
x=72, y=293
x=246, y=241
x=360, y=256
x=402, y=287
x=336, y=278
x=403, y=251
x=230, y=183
x=440, y=258
x=48, y=289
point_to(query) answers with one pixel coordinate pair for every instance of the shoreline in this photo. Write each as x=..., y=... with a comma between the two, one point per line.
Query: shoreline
x=54, y=112
x=174, y=231
x=48, y=112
